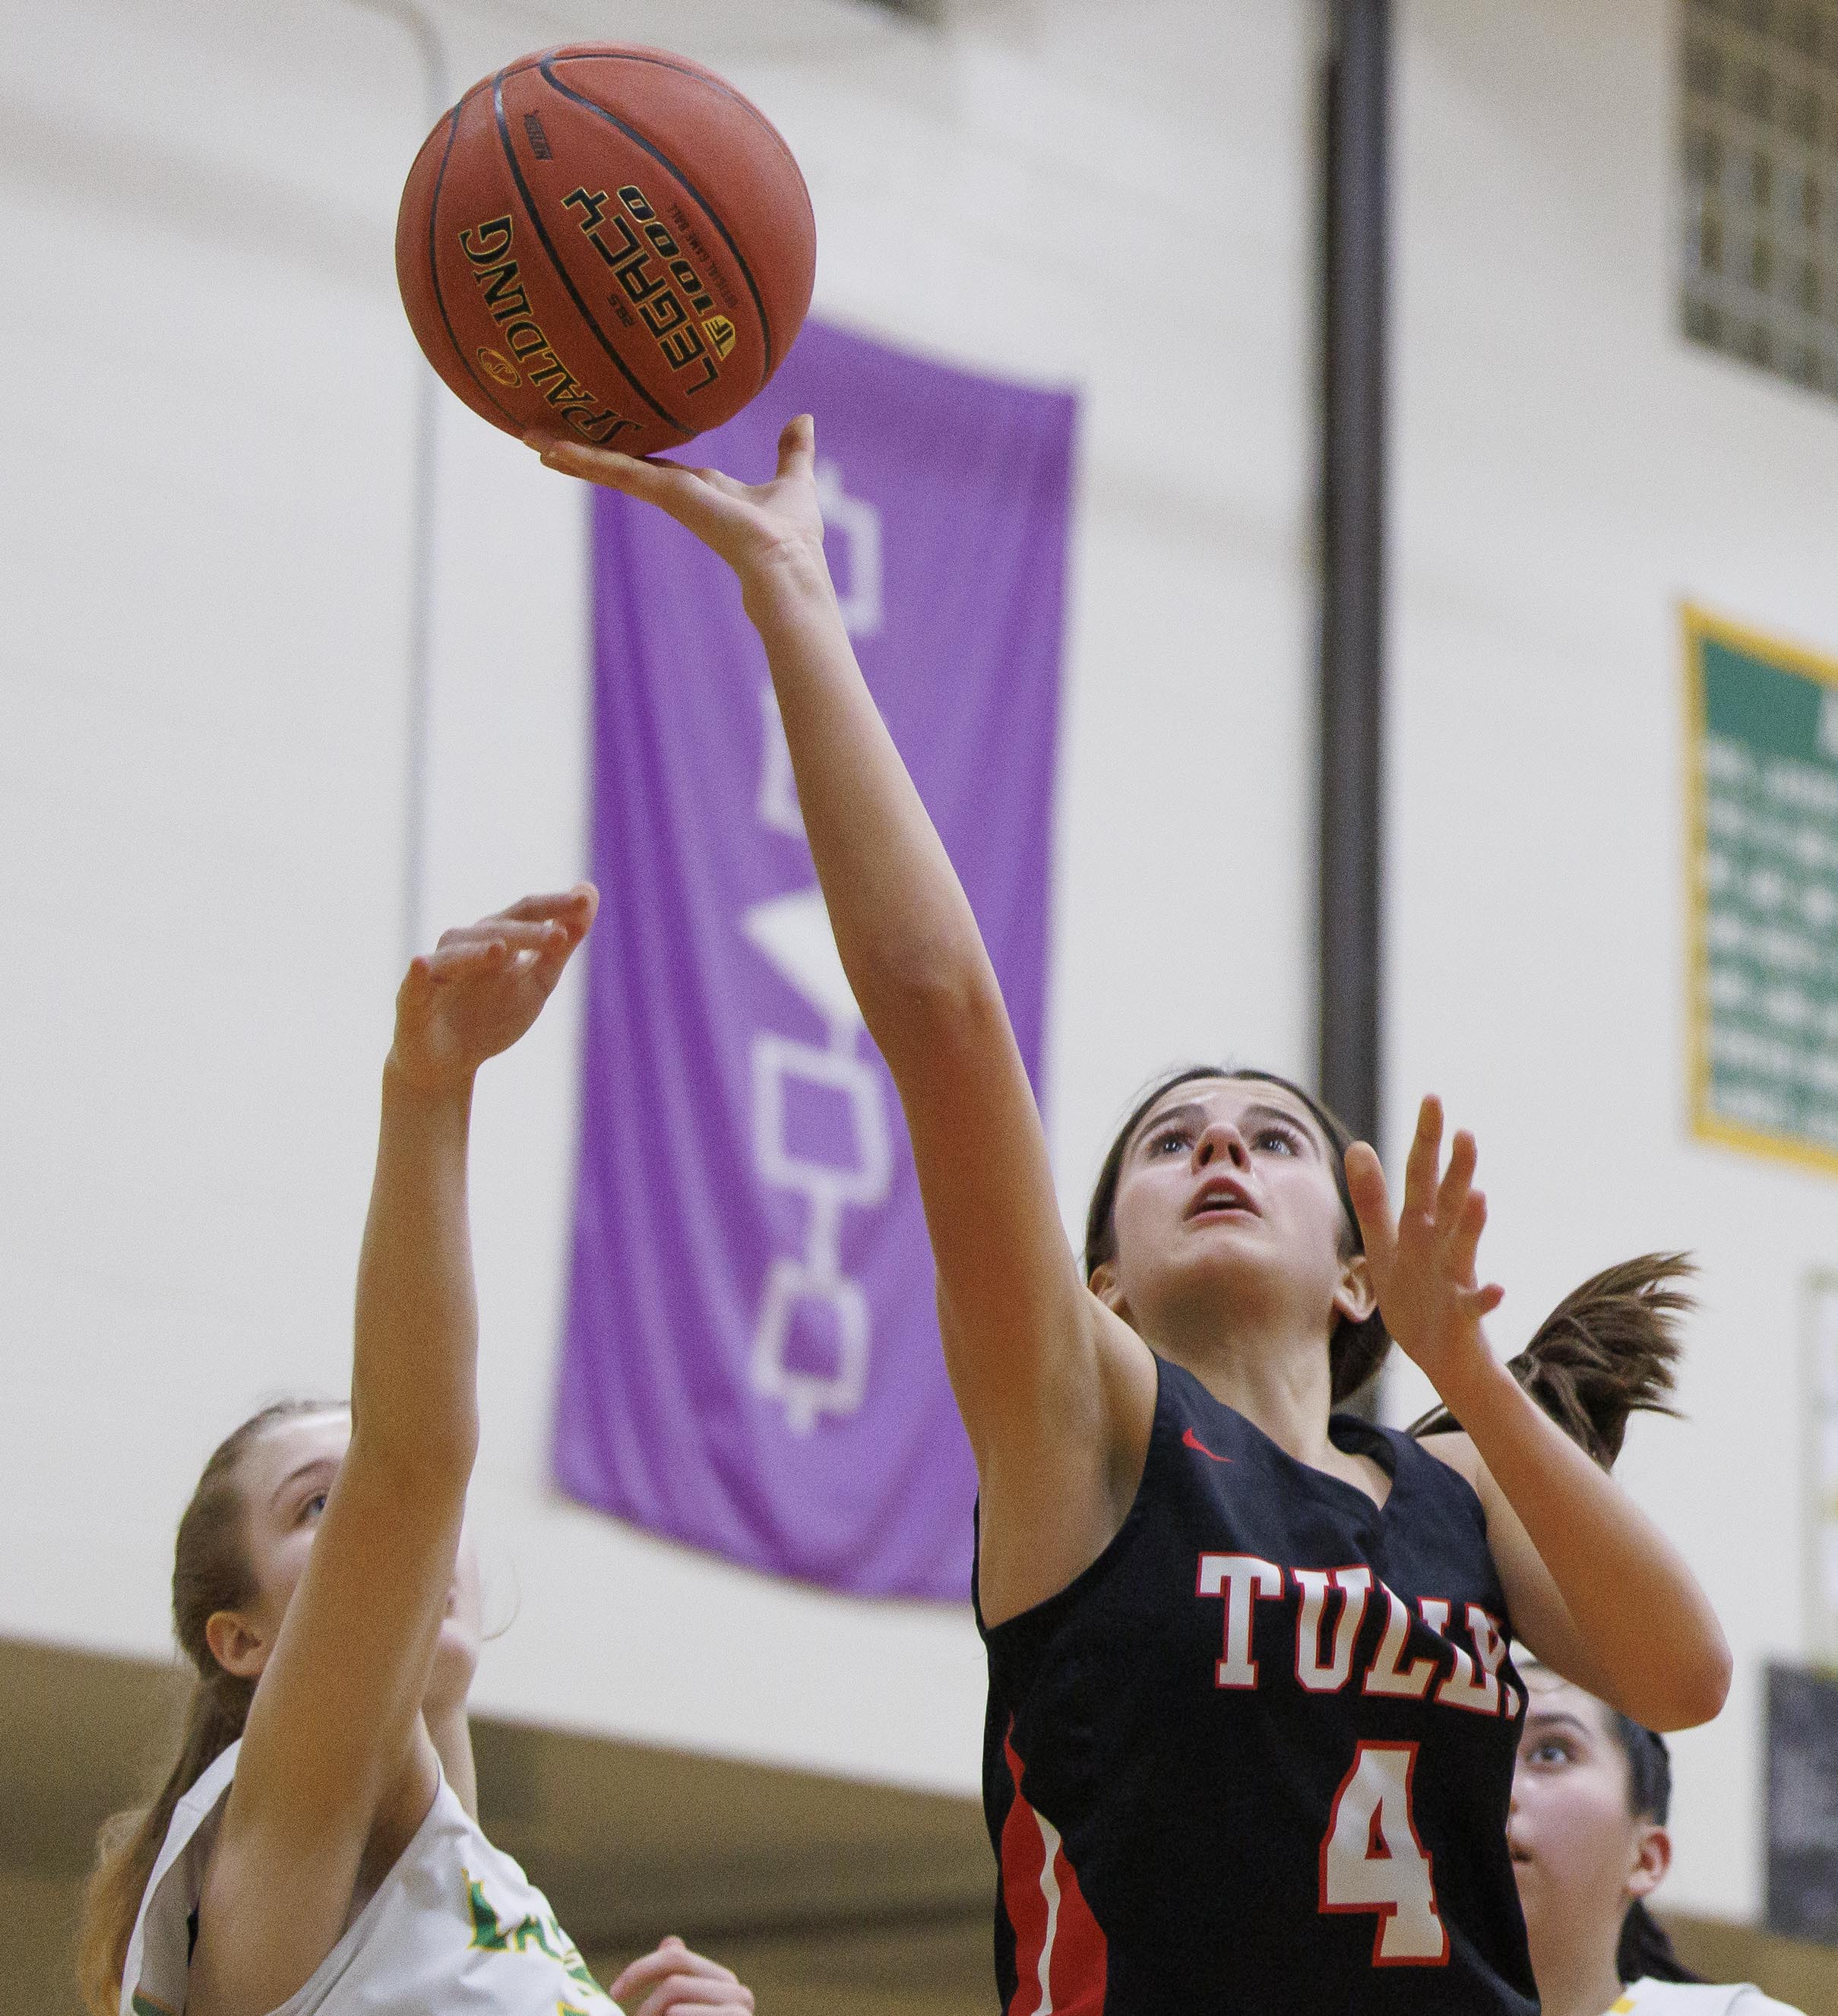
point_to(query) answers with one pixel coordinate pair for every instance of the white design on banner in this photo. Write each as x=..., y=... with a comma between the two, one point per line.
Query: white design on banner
x=859, y=524
x=793, y=931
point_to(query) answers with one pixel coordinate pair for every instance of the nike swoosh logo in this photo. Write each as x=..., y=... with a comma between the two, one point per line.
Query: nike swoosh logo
x=1190, y=1441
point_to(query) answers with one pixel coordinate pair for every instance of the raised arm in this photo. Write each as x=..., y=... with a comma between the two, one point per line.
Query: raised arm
x=1597, y=1591
x=335, y=1757
x=1046, y=1379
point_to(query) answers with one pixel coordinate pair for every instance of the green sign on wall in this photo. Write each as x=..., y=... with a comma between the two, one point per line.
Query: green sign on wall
x=1764, y=729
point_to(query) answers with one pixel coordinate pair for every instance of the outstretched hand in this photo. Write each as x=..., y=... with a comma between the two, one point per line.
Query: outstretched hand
x=484, y=985
x=1422, y=1265
x=682, y=1983
x=751, y=525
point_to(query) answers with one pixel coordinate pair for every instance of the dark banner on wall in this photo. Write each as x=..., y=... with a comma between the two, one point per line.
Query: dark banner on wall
x=751, y=1361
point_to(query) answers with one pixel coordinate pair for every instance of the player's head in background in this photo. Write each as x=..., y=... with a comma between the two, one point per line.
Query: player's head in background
x=243, y=1540
x=1592, y=1794
x=1297, y=1267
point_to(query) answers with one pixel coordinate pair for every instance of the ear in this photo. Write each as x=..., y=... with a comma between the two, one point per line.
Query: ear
x=234, y=1647
x=1105, y=1286
x=1355, y=1298
x=1652, y=1857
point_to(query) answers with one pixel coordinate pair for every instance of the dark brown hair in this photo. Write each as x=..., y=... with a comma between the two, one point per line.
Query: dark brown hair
x=1608, y=1347
x=210, y=1571
x=1645, y=1951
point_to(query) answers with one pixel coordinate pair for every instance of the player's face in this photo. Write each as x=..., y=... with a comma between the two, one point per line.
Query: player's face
x=1226, y=1199
x=1580, y=1855
x=286, y=1476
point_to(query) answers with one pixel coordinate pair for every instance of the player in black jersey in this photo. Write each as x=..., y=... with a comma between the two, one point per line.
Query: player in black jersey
x=1252, y=1710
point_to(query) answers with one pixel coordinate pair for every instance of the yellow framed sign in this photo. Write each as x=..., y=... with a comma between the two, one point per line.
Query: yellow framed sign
x=1763, y=735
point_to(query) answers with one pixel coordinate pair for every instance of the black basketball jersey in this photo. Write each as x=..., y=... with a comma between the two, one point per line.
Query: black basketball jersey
x=1256, y=1757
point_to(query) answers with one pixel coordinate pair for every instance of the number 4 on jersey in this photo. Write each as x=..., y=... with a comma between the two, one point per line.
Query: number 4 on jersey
x=1371, y=1859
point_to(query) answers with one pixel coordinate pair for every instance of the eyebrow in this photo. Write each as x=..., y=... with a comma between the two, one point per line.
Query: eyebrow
x=302, y=1470
x=1549, y=1718
x=1192, y=1109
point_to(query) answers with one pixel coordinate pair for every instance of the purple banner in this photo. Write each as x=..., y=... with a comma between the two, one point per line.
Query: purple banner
x=751, y=1361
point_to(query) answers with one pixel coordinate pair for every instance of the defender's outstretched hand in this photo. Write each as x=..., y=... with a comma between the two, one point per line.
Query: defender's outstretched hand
x=1422, y=1265
x=484, y=985
x=752, y=525
x=682, y=1983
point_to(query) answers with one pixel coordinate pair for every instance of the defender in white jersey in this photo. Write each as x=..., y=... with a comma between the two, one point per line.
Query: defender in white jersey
x=1695, y=1998
x=1591, y=1796
x=453, y=1921
x=316, y=1844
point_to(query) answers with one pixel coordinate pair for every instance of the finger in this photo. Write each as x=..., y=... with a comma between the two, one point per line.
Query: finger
x=666, y=1955
x=1372, y=1205
x=797, y=447
x=1420, y=1166
x=519, y=935
x=683, y=1960
x=1479, y=1302
x=651, y=477
x=674, y=1959
x=719, y=479
x=562, y=906
x=416, y=992
x=1466, y=1241
x=468, y=960
x=1452, y=1192
x=678, y=1991
x=551, y=960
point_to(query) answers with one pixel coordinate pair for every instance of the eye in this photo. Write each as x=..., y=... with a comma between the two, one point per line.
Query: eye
x=1550, y=1752
x=1274, y=1135
x=1167, y=1138
x=314, y=1506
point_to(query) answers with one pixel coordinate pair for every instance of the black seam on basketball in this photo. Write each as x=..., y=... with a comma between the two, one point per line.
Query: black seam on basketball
x=700, y=75
x=708, y=209
x=497, y=77
x=433, y=272
x=561, y=272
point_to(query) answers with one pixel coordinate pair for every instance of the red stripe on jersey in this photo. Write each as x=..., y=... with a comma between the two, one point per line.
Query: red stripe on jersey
x=1061, y=1958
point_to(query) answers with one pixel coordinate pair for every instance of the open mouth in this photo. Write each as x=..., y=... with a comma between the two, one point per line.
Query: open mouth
x=1223, y=1197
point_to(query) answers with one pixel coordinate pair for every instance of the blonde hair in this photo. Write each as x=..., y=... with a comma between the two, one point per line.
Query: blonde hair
x=210, y=1571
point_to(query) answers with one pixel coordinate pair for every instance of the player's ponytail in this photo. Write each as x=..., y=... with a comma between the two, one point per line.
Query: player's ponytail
x=1608, y=1349
x=210, y=1571
x=1646, y=1951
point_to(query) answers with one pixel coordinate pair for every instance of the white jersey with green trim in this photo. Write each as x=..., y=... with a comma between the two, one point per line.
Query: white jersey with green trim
x=1691, y=1998
x=455, y=1925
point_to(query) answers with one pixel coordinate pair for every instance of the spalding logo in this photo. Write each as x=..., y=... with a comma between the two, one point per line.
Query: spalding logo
x=500, y=367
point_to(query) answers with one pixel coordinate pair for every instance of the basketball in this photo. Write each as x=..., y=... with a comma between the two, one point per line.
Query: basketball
x=609, y=240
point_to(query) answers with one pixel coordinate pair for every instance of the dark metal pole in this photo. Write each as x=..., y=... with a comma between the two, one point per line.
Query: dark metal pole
x=1351, y=918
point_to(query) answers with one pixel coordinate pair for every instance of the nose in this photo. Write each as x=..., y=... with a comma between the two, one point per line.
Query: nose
x=1222, y=1141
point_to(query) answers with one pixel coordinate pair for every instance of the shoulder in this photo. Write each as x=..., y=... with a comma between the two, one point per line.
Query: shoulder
x=1453, y=1447
x=158, y=1964
x=1454, y=1453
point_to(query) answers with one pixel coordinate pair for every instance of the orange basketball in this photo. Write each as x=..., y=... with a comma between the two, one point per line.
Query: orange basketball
x=607, y=239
